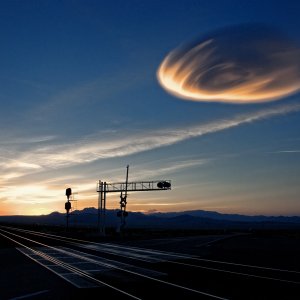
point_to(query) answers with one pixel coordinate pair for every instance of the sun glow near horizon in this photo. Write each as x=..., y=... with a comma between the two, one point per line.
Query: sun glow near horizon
x=84, y=97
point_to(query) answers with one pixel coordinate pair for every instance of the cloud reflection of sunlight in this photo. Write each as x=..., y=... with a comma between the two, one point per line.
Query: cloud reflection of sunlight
x=242, y=64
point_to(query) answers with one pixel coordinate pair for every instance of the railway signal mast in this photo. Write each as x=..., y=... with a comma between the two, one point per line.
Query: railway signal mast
x=122, y=214
x=68, y=205
x=123, y=187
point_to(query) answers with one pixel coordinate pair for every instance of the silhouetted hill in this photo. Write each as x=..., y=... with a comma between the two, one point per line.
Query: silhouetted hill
x=229, y=217
x=196, y=219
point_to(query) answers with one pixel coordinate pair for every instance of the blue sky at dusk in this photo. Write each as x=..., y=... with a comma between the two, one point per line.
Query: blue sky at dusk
x=80, y=99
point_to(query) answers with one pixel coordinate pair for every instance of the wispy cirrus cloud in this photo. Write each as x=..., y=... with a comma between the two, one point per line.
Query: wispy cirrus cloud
x=6, y=140
x=96, y=147
x=37, y=173
x=99, y=89
x=162, y=168
x=285, y=151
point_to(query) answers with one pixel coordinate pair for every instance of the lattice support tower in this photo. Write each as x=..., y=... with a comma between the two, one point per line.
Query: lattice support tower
x=123, y=187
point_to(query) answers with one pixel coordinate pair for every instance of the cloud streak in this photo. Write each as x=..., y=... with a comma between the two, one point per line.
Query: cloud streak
x=286, y=151
x=240, y=64
x=25, y=177
x=26, y=140
x=95, y=148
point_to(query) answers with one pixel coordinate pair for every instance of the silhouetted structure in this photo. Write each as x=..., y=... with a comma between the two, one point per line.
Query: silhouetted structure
x=68, y=205
x=123, y=187
x=123, y=213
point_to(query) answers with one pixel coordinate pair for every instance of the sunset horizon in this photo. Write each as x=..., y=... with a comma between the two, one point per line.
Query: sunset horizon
x=149, y=149
x=213, y=105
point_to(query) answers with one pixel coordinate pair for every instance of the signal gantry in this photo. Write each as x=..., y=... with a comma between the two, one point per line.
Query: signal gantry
x=124, y=187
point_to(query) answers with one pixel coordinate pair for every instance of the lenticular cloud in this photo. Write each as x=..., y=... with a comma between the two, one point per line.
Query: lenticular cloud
x=241, y=64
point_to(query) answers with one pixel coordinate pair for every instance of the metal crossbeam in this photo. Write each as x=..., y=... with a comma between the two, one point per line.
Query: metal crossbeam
x=134, y=186
x=124, y=187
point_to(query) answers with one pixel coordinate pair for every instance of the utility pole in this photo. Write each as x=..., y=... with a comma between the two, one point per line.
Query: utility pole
x=124, y=187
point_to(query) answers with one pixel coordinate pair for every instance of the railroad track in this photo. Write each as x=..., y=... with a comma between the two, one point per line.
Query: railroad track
x=141, y=273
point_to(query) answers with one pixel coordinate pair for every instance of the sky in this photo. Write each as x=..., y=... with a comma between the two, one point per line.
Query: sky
x=202, y=93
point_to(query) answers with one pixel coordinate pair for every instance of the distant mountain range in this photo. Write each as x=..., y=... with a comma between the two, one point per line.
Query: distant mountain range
x=229, y=217
x=194, y=219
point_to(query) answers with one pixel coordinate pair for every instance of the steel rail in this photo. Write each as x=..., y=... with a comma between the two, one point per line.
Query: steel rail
x=128, y=271
x=161, y=252
x=66, y=266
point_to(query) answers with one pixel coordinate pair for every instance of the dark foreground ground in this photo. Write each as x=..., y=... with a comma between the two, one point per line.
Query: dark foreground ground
x=21, y=278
